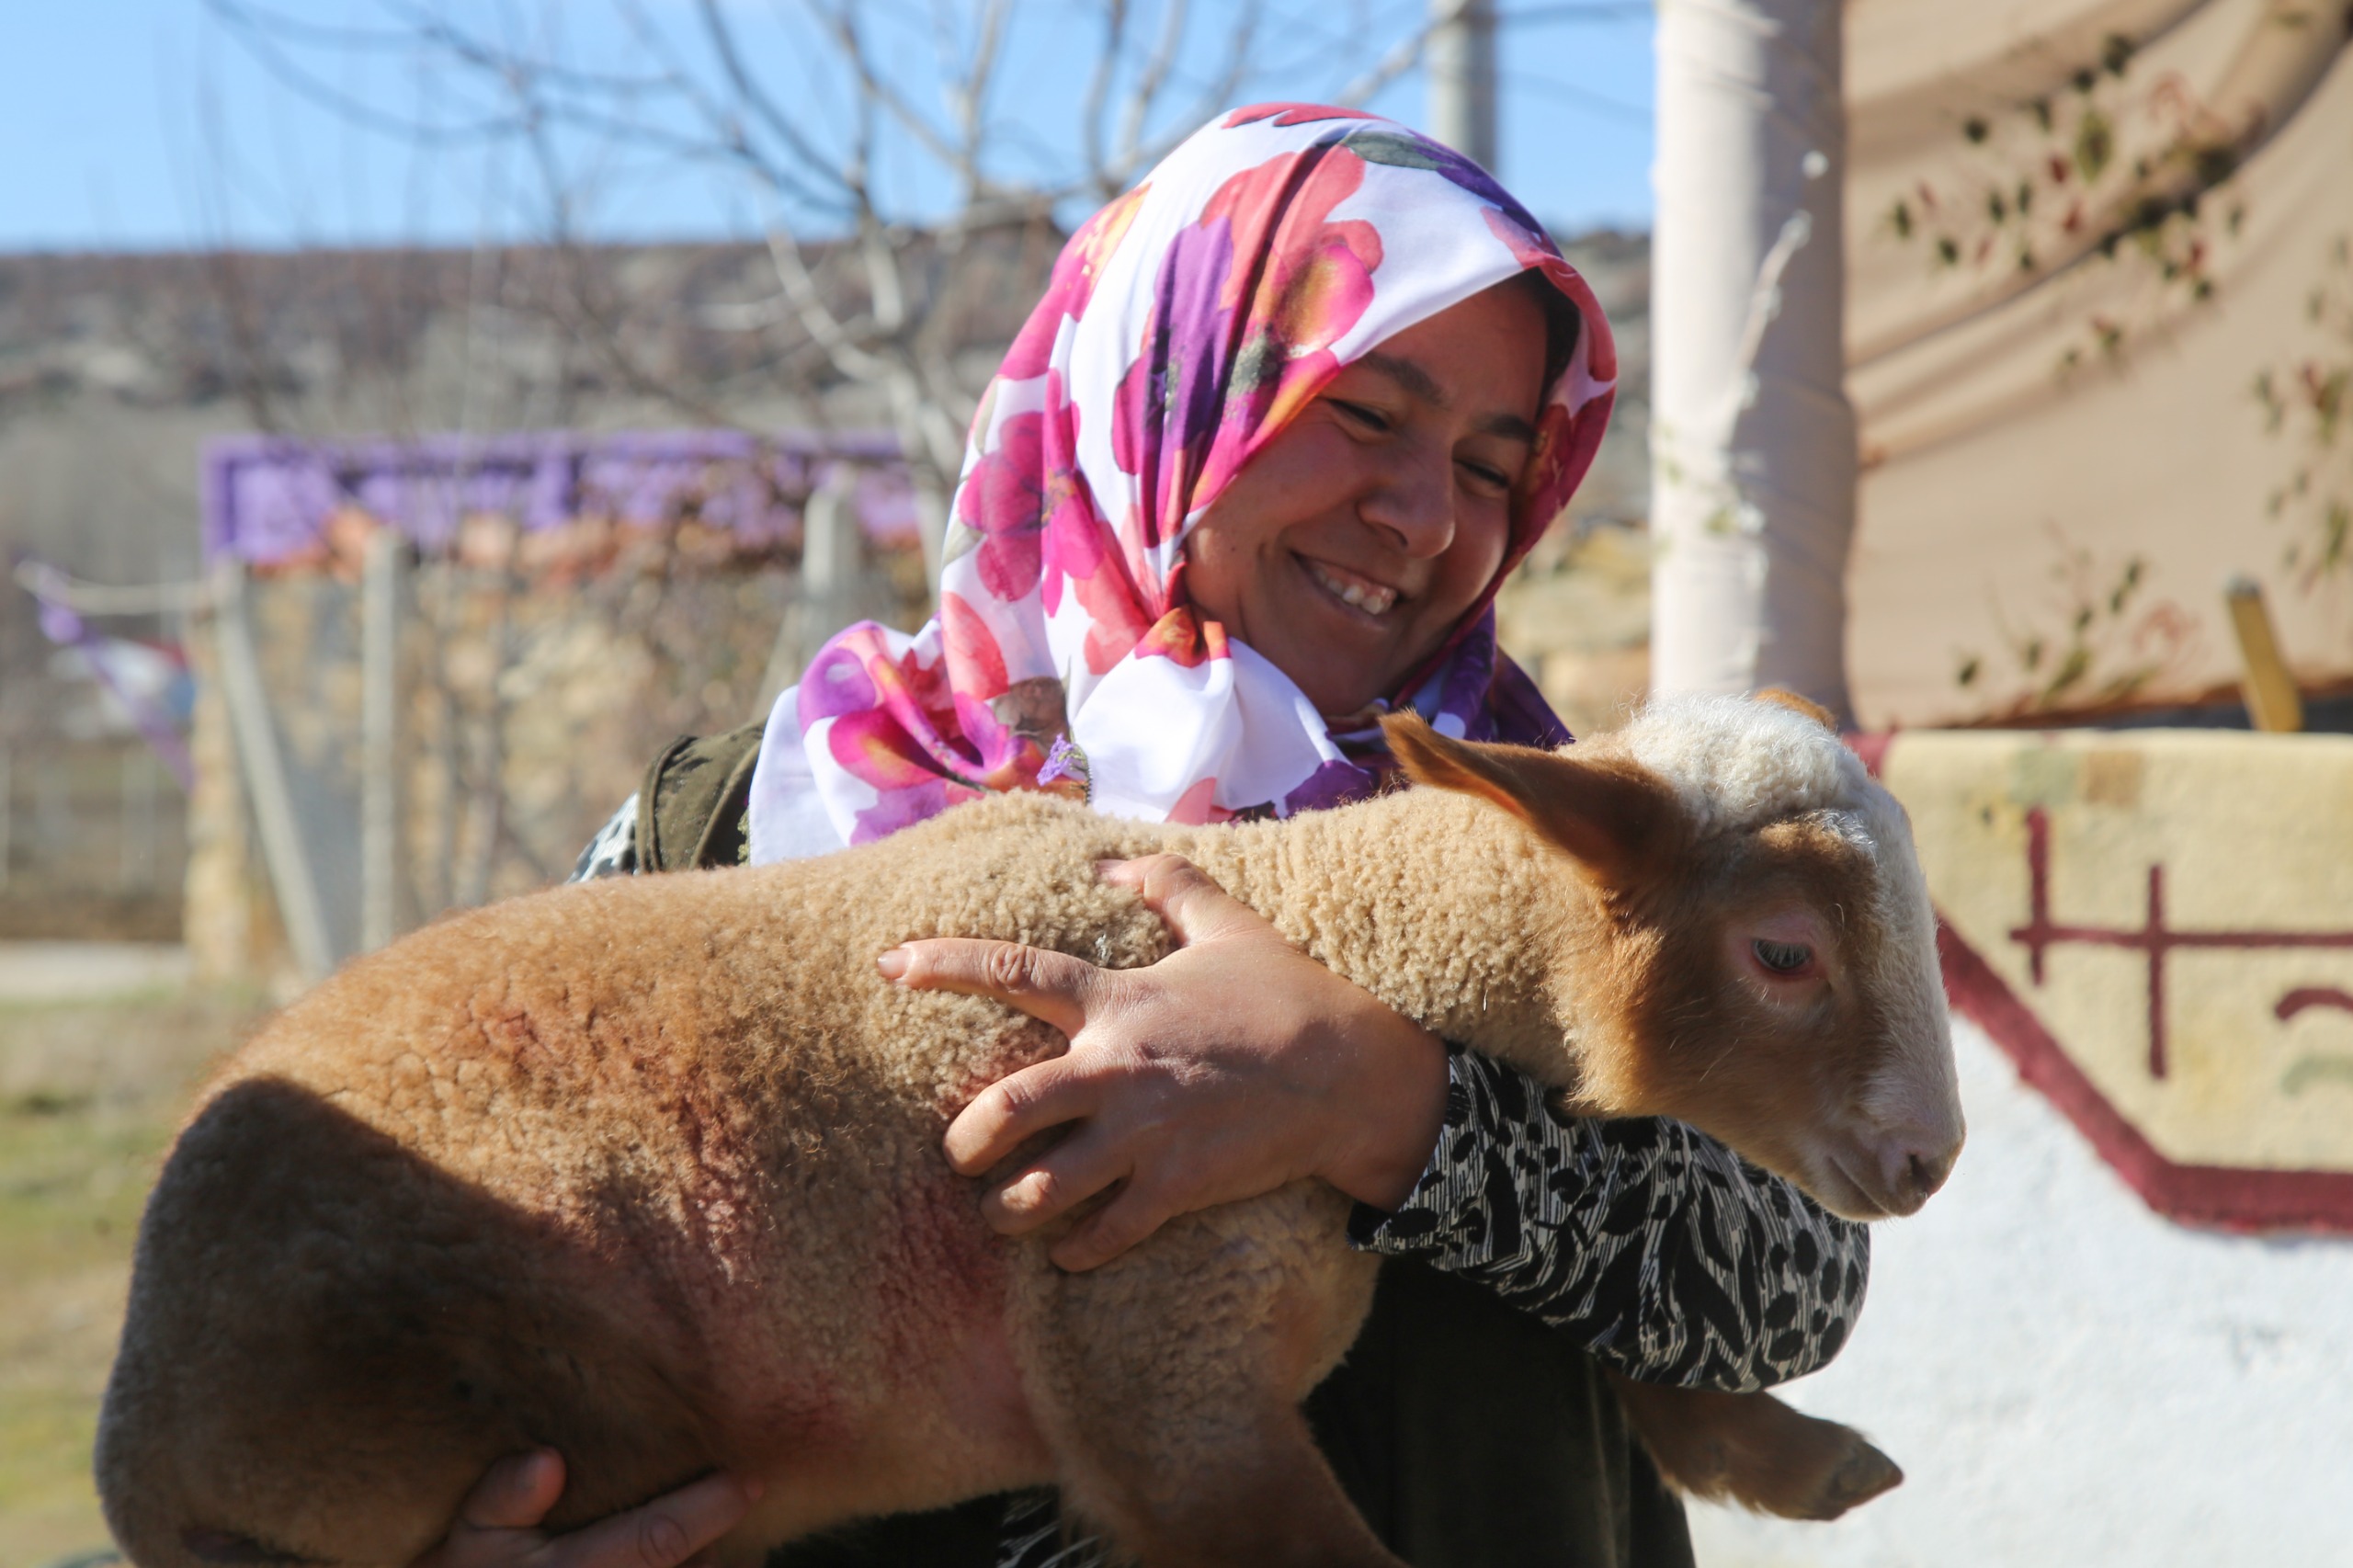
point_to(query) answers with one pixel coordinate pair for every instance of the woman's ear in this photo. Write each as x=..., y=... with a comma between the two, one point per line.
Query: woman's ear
x=1613, y=815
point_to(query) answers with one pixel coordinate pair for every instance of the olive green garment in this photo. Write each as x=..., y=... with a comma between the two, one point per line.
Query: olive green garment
x=1468, y=1433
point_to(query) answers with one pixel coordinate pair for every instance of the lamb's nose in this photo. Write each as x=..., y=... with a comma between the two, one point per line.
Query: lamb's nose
x=1913, y=1168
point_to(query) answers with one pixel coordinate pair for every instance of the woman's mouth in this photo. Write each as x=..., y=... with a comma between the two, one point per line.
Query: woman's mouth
x=1351, y=589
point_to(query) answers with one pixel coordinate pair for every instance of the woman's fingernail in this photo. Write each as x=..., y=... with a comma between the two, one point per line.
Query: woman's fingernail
x=754, y=1487
x=892, y=964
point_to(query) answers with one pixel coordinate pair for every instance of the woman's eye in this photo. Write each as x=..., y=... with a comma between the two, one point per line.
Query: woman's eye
x=1782, y=958
x=1493, y=478
x=1371, y=418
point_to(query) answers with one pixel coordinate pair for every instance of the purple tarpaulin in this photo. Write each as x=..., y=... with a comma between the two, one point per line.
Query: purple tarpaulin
x=268, y=498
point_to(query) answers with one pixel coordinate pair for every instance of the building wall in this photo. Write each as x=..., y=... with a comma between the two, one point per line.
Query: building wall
x=2068, y=1379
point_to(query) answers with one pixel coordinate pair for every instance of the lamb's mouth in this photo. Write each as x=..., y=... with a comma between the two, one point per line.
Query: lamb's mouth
x=1353, y=589
x=1859, y=1203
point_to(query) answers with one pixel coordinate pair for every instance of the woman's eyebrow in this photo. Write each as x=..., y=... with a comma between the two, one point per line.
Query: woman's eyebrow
x=1410, y=376
x=1422, y=385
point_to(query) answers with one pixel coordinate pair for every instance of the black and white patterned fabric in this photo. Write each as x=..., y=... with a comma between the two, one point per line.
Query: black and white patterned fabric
x=1663, y=1253
x=1033, y=1537
x=613, y=852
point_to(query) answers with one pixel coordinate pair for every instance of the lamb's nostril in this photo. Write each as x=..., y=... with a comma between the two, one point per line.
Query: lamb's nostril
x=1916, y=1176
x=1911, y=1173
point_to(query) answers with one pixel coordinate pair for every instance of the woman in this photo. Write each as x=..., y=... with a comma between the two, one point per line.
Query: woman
x=1250, y=476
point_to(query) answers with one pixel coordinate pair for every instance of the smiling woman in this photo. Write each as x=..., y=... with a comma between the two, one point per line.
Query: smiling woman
x=1249, y=477
x=1357, y=541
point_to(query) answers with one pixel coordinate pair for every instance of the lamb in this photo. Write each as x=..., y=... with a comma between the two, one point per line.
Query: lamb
x=649, y=1169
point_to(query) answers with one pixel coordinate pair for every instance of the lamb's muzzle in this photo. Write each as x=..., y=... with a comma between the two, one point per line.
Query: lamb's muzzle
x=649, y=1170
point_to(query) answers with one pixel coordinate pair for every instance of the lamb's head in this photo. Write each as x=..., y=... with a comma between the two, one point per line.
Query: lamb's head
x=1743, y=939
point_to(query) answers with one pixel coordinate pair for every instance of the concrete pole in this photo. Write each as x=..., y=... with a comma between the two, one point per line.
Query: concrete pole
x=832, y=559
x=263, y=766
x=382, y=608
x=1460, y=57
x=830, y=592
x=1753, y=440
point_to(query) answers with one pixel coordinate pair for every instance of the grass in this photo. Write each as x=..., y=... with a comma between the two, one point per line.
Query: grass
x=89, y=1094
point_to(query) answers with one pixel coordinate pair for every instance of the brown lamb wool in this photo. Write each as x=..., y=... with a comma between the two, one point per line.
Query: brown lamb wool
x=649, y=1169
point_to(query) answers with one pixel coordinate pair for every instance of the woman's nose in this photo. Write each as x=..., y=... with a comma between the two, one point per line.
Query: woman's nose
x=1412, y=502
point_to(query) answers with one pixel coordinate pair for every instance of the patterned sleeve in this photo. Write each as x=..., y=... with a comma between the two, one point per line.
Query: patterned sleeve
x=1669, y=1256
x=613, y=852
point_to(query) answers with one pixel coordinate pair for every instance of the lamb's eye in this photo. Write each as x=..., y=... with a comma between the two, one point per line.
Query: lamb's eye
x=1782, y=958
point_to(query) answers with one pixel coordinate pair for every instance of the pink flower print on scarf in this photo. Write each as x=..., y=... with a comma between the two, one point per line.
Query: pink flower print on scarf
x=1184, y=325
x=1206, y=390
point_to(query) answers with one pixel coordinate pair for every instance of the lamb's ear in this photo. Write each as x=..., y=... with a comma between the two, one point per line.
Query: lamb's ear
x=1782, y=697
x=1612, y=814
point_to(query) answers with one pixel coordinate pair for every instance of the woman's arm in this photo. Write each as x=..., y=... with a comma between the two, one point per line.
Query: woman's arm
x=1667, y=1254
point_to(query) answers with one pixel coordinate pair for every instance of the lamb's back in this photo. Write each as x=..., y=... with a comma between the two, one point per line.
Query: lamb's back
x=648, y=1166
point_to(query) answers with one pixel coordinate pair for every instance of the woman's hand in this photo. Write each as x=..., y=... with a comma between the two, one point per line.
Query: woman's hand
x=497, y=1524
x=1233, y=1066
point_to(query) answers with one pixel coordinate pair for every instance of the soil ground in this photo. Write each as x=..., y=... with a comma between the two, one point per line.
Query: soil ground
x=90, y=1091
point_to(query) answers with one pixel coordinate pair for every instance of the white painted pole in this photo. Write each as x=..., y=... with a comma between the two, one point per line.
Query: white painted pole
x=381, y=607
x=264, y=767
x=1752, y=437
x=1460, y=60
x=829, y=591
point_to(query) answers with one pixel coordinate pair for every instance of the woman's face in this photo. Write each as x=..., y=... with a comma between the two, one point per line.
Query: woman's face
x=1351, y=545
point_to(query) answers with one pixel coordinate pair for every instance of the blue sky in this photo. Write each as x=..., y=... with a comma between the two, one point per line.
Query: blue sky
x=150, y=124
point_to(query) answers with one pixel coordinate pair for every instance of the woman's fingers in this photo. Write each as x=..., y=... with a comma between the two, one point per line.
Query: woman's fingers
x=1011, y=1111
x=1053, y=988
x=496, y=1526
x=663, y=1534
x=1186, y=897
x=1140, y=1210
x=515, y=1494
x=1071, y=1172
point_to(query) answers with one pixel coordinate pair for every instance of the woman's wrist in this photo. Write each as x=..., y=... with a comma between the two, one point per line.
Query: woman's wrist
x=1394, y=1106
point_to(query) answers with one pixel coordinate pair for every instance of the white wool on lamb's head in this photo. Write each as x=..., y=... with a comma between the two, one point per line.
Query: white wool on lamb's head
x=1735, y=762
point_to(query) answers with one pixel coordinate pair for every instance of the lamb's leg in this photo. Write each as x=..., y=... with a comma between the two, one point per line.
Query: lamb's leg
x=1751, y=1448
x=1173, y=1412
x=1245, y=1487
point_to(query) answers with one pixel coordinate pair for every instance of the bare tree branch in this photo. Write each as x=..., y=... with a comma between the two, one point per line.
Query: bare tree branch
x=908, y=165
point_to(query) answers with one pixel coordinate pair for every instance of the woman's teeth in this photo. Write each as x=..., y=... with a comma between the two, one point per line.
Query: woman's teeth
x=1369, y=597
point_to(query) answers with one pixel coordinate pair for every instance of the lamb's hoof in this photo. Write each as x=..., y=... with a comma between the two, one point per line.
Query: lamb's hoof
x=1862, y=1475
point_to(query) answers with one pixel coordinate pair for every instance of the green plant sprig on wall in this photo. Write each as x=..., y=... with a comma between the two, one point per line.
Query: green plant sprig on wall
x=2049, y=184
x=2311, y=401
x=2101, y=642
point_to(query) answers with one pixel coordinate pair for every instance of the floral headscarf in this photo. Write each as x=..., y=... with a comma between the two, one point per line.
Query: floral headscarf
x=1184, y=325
